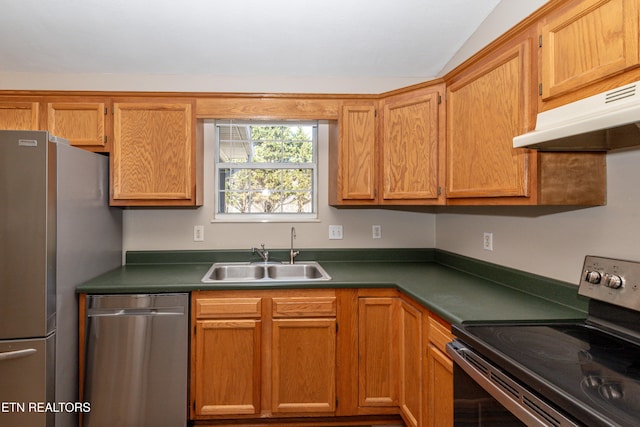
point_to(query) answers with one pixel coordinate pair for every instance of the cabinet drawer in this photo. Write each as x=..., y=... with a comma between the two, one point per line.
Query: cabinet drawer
x=439, y=335
x=225, y=308
x=304, y=307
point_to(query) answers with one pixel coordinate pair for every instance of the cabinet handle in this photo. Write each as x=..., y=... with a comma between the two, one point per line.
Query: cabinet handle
x=7, y=355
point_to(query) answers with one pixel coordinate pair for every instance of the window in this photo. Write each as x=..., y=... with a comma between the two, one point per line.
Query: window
x=266, y=170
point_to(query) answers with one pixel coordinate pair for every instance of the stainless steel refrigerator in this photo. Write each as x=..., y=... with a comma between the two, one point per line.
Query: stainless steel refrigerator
x=56, y=231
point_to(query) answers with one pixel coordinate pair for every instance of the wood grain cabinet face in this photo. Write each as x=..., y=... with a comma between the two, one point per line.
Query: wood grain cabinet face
x=228, y=367
x=263, y=354
x=82, y=123
x=226, y=356
x=153, y=156
x=378, y=351
x=304, y=365
x=410, y=148
x=439, y=381
x=411, y=378
x=486, y=108
x=356, y=155
x=587, y=41
x=18, y=115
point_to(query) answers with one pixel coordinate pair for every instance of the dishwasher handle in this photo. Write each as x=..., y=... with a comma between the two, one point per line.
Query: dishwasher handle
x=147, y=311
x=16, y=354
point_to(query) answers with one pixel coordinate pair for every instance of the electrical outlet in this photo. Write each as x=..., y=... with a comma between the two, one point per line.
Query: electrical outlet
x=198, y=233
x=487, y=243
x=376, y=231
x=335, y=232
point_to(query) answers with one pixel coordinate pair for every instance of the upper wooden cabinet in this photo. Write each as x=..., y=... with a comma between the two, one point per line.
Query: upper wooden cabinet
x=153, y=156
x=353, y=156
x=411, y=158
x=584, y=42
x=84, y=123
x=486, y=107
x=488, y=103
x=19, y=115
x=395, y=144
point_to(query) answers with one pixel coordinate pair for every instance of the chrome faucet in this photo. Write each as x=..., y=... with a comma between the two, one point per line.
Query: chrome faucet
x=264, y=254
x=292, y=253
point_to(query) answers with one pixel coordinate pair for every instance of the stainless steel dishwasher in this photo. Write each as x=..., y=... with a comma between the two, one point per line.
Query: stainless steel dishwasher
x=136, y=360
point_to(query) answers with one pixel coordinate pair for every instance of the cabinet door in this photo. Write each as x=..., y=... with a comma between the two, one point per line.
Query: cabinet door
x=377, y=351
x=82, y=123
x=153, y=156
x=410, y=364
x=303, y=365
x=15, y=115
x=410, y=148
x=439, y=382
x=439, y=388
x=587, y=41
x=487, y=107
x=357, y=170
x=227, y=377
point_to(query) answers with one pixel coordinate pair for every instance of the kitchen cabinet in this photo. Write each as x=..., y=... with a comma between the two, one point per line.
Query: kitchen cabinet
x=377, y=351
x=488, y=103
x=353, y=157
x=439, y=375
x=226, y=355
x=487, y=107
x=83, y=122
x=585, y=42
x=154, y=155
x=390, y=354
x=303, y=354
x=399, y=150
x=411, y=147
x=263, y=354
x=19, y=114
x=411, y=376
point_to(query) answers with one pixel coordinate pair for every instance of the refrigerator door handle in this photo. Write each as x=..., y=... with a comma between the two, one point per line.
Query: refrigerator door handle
x=7, y=355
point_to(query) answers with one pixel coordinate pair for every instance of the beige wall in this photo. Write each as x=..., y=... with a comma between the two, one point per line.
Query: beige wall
x=173, y=228
x=549, y=241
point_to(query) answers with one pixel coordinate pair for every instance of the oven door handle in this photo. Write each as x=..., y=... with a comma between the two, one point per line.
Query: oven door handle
x=515, y=398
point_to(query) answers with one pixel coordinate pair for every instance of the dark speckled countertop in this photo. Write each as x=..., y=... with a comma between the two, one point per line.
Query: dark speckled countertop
x=457, y=288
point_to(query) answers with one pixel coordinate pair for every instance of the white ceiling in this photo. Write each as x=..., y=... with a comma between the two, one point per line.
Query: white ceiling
x=337, y=38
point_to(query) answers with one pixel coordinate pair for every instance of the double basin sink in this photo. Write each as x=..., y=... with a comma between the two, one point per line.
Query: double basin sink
x=262, y=272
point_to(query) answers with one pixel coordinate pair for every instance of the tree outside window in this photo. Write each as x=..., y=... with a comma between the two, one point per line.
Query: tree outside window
x=266, y=168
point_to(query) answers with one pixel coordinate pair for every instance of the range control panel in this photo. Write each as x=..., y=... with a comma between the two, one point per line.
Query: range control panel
x=611, y=280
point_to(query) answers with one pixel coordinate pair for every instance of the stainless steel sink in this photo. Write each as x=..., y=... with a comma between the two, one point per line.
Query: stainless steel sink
x=261, y=272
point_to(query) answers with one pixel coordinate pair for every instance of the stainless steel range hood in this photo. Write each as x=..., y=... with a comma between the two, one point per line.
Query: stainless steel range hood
x=602, y=122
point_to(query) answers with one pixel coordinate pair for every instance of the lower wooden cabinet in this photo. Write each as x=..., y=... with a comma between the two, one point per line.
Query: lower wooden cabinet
x=263, y=354
x=318, y=354
x=439, y=375
x=377, y=351
x=411, y=355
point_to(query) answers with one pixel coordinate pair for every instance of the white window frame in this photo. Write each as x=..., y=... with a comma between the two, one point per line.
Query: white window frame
x=266, y=217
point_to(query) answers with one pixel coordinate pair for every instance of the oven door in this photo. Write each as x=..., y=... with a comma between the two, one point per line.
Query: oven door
x=485, y=396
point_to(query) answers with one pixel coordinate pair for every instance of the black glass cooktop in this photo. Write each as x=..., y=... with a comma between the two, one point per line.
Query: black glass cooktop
x=590, y=374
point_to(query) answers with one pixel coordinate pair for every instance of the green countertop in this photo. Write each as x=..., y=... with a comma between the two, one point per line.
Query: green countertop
x=457, y=288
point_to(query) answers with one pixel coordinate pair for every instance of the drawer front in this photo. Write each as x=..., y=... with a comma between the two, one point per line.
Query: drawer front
x=226, y=308
x=439, y=335
x=304, y=307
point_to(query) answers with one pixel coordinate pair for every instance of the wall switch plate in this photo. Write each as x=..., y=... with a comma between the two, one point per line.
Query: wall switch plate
x=487, y=243
x=198, y=233
x=335, y=232
x=376, y=231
